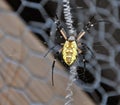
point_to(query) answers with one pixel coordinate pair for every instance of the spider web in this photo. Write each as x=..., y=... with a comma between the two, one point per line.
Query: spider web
x=103, y=72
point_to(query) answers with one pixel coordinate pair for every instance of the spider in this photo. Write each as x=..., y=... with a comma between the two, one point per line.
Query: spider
x=72, y=47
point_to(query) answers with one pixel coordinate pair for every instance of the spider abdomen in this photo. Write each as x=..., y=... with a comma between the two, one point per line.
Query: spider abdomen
x=69, y=52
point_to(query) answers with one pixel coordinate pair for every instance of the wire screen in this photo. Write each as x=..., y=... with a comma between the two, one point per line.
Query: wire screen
x=103, y=71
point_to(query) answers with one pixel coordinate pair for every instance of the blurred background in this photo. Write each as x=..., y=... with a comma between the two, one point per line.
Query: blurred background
x=102, y=77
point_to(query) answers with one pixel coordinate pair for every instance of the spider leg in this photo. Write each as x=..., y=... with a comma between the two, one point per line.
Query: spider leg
x=82, y=53
x=84, y=65
x=80, y=35
x=86, y=47
x=49, y=50
x=53, y=65
x=86, y=28
x=84, y=61
x=60, y=28
x=91, y=23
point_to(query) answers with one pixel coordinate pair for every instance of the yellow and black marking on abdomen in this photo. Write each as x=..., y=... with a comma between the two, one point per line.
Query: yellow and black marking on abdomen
x=69, y=52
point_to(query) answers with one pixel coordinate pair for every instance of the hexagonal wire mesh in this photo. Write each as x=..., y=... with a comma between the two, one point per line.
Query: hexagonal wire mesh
x=103, y=74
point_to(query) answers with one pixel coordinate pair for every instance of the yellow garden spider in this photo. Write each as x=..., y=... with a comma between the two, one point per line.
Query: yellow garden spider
x=72, y=48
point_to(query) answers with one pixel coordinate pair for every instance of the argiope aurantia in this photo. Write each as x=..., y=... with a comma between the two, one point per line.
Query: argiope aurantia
x=72, y=47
